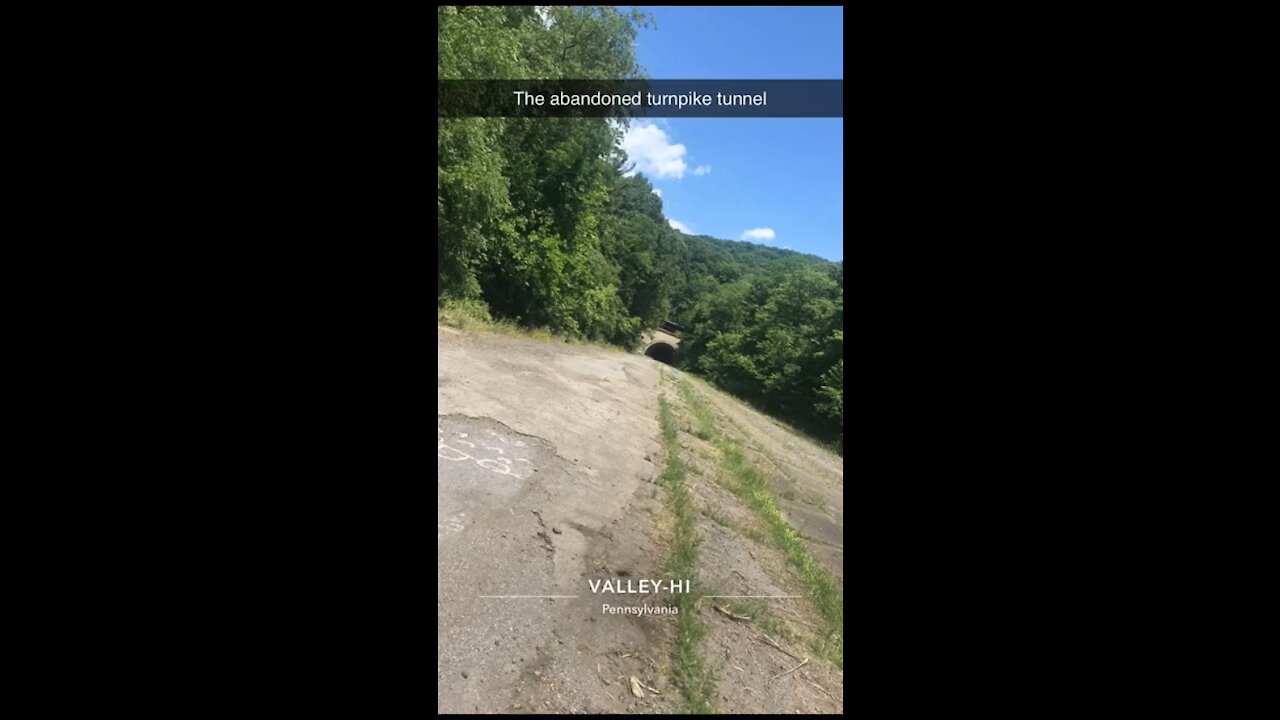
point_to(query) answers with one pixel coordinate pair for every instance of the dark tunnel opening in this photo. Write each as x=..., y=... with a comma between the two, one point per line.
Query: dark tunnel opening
x=662, y=352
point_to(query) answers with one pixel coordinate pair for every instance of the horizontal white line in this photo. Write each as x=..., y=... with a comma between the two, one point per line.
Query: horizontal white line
x=525, y=597
x=758, y=597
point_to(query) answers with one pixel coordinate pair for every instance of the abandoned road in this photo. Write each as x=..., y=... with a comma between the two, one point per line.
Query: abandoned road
x=549, y=480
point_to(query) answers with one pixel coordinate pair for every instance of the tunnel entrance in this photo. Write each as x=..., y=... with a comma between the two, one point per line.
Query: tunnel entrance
x=662, y=352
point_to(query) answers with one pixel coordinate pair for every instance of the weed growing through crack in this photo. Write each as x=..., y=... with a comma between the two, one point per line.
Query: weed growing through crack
x=695, y=679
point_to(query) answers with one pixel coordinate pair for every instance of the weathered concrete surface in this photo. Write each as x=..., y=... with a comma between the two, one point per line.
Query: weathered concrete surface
x=546, y=462
x=543, y=482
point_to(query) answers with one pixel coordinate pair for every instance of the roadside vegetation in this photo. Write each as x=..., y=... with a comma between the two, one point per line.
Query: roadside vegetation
x=696, y=681
x=751, y=485
x=681, y=409
x=474, y=316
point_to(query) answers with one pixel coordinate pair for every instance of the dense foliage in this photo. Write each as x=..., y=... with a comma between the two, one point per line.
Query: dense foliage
x=538, y=220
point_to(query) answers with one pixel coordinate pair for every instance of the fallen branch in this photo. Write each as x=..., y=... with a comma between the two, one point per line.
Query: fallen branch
x=824, y=690
x=806, y=662
x=773, y=644
x=725, y=611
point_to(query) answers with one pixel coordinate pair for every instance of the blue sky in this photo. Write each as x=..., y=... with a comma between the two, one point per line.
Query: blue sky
x=779, y=177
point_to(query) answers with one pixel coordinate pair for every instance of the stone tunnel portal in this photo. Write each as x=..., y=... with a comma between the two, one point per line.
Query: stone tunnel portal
x=662, y=352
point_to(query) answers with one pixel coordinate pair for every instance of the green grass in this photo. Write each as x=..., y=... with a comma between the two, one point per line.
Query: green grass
x=696, y=680
x=753, y=486
x=473, y=316
x=761, y=618
x=835, y=447
x=718, y=517
x=753, y=534
x=804, y=458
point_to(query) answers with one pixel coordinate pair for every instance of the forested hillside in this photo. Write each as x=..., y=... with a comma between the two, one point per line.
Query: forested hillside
x=538, y=221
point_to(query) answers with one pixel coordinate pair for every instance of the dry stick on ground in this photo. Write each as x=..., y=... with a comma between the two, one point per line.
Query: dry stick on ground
x=723, y=611
x=773, y=644
x=824, y=690
x=806, y=662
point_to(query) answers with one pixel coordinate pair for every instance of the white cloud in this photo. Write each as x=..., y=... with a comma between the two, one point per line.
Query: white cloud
x=657, y=192
x=702, y=170
x=680, y=226
x=544, y=16
x=652, y=152
x=765, y=234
